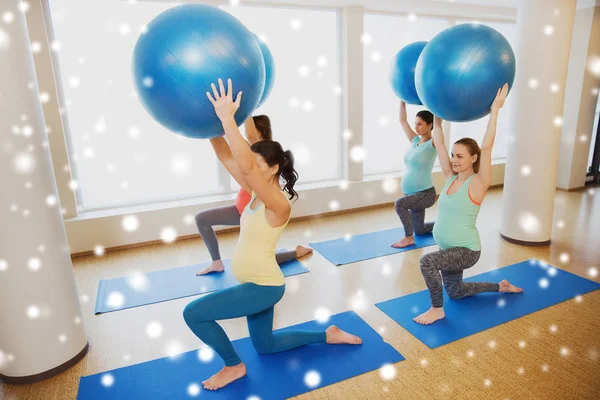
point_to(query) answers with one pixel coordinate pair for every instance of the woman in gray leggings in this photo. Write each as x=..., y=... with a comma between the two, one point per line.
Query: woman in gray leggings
x=468, y=177
x=257, y=128
x=417, y=183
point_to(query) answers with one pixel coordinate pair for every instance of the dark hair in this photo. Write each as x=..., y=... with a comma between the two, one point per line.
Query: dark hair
x=426, y=116
x=473, y=149
x=263, y=126
x=273, y=154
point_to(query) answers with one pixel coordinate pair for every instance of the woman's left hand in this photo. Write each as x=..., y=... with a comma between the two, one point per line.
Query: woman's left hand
x=223, y=102
x=500, y=97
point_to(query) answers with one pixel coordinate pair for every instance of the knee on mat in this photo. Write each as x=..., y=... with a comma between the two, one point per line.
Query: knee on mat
x=455, y=294
x=419, y=230
x=263, y=347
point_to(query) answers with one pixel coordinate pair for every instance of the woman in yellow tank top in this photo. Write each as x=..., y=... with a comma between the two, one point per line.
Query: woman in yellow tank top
x=259, y=170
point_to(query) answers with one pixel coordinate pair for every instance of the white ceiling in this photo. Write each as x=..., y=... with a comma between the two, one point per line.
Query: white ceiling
x=489, y=9
x=487, y=3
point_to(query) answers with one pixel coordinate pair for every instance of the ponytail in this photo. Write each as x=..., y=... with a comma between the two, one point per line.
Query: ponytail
x=289, y=174
x=273, y=154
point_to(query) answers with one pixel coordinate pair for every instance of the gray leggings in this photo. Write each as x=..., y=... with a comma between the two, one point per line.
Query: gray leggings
x=451, y=263
x=411, y=210
x=230, y=216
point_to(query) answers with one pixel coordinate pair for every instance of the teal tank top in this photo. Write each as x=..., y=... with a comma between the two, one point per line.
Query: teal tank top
x=457, y=216
x=419, y=163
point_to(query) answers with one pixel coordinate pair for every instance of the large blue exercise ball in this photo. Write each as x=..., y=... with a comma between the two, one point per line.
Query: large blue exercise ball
x=402, y=72
x=269, y=69
x=185, y=49
x=461, y=69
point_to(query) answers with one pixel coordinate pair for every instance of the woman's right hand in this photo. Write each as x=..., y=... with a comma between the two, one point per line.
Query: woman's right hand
x=225, y=106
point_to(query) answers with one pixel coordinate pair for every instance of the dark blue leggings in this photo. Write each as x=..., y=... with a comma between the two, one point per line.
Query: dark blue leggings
x=254, y=302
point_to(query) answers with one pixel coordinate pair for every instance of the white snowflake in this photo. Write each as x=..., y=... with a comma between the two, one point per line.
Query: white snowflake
x=558, y=121
x=33, y=312
x=322, y=315
x=334, y=205
x=206, y=354
x=138, y=281
x=34, y=264
x=130, y=223
x=193, y=389
x=107, y=380
x=154, y=330
x=358, y=153
x=168, y=234
x=8, y=17
x=387, y=372
x=533, y=83
x=24, y=163
x=529, y=223
x=36, y=47
x=115, y=300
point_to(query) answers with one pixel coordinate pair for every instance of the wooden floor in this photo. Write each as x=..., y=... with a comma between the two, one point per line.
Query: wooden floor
x=551, y=354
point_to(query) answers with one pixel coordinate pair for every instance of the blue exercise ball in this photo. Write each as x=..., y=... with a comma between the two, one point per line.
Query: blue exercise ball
x=185, y=49
x=269, y=69
x=461, y=69
x=402, y=72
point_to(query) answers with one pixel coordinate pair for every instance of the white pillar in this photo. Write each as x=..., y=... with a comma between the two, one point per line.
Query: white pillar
x=352, y=64
x=581, y=97
x=41, y=327
x=544, y=39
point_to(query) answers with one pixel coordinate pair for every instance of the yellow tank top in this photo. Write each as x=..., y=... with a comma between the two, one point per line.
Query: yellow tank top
x=254, y=257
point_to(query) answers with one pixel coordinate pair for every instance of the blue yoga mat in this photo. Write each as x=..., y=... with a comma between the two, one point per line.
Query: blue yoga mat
x=169, y=284
x=367, y=246
x=272, y=376
x=543, y=286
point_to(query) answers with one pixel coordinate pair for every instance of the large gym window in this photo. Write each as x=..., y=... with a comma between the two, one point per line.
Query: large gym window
x=122, y=156
x=384, y=35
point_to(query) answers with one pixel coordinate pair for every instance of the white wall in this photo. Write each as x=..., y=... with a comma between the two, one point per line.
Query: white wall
x=581, y=97
x=86, y=230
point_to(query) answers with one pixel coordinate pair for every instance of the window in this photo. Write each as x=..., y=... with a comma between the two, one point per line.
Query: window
x=476, y=129
x=121, y=156
x=383, y=139
x=305, y=103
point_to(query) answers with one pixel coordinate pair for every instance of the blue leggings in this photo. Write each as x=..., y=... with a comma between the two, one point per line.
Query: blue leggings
x=254, y=302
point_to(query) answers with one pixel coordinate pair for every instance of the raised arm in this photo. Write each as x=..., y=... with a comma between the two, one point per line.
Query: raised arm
x=251, y=132
x=483, y=179
x=440, y=147
x=225, y=108
x=410, y=134
x=224, y=155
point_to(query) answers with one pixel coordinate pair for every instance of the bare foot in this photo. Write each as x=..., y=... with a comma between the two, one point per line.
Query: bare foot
x=216, y=266
x=404, y=242
x=225, y=376
x=507, y=287
x=301, y=251
x=337, y=336
x=430, y=316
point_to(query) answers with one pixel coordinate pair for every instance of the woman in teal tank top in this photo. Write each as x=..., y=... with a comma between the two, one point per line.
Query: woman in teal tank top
x=417, y=182
x=468, y=177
